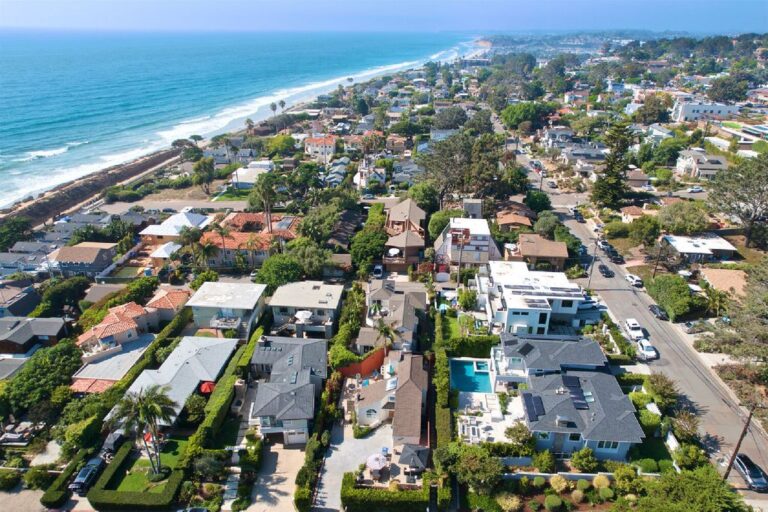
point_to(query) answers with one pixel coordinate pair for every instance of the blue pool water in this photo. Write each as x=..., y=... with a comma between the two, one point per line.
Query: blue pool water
x=465, y=378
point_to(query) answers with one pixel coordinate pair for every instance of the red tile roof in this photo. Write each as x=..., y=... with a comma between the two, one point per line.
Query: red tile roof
x=91, y=385
x=169, y=299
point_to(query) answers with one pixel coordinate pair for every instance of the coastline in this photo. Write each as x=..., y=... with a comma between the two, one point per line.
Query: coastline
x=231, y=118
x=67, y=196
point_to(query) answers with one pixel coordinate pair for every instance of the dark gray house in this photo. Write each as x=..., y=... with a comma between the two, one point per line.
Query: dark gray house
x=293, y=370
x=86, y=258
x=19, y=335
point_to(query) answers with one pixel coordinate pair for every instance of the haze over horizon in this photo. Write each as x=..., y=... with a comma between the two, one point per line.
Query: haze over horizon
x=693, y=16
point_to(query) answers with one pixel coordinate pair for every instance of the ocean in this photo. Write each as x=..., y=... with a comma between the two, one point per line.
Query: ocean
x=74, y=103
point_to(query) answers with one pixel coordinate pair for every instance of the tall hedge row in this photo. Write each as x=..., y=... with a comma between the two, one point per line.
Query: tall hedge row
x=366, y=499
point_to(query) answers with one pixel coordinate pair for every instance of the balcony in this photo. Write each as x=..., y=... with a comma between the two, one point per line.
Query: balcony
x=226, y=322
x=401, y=260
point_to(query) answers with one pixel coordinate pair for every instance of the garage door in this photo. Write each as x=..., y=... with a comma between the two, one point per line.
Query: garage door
x=295, y=437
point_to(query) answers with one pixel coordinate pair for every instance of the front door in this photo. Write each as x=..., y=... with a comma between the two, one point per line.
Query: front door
x=557, y=447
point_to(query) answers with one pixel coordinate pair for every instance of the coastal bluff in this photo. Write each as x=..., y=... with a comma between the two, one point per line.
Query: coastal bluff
x=70, y=194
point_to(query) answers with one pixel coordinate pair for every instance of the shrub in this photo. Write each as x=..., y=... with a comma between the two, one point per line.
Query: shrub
x=544, y=462
x=650, y=422
x=640, y=399
x=553, y=503
x=559, y=484
x=38, y=478
x=534, y=505
x=58, y=494
x=577, y=496
x=616, y=229
x=583, y=484
x=584, y=460
x=509, y=502
x=690, y=456
x=606, y=493
x=663, y=390
x=647, y=465
x=665, y=466
x=672, y=293
x=601, y=482
x=539, y=482
x=9, y=479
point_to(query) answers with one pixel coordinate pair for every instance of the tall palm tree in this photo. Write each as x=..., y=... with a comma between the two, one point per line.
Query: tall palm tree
x=264, y=194
x=273, y=108
x=249, y=124
x=205, y=251
x=222, y=231
x=141, y=412
x=385, y=332
x=282, y=105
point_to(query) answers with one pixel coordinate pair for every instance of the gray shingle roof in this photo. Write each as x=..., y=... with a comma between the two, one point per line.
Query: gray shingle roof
x=600, y=411
x=552, y=354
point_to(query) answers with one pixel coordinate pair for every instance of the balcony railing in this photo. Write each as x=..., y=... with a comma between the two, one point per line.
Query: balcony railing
x=226, y=322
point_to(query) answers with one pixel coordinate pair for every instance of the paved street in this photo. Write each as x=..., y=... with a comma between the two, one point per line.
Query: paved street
x=721, y=417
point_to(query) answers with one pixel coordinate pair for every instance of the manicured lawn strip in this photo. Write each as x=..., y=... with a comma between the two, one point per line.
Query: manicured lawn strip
x=227, y=434
x=651, y=448
x=135, y=478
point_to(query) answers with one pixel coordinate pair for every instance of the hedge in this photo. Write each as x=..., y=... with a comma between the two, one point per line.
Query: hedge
x=216, y=410
x=631, y=379
x=109, y=499
x=244, y=362
x=354, y=499
x=471, y=346
x=619, y=359
x=58, y=494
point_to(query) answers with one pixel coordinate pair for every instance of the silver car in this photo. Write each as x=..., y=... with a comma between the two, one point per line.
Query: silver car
x=751, y=472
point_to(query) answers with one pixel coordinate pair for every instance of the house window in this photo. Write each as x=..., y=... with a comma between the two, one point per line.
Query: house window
x=607, y=445
x=370, y=413
x=574, y=437
x=320, y=312
x=543, y=435
x=515, y=360
x=284, y=311
x=567, y=303
x=542, y=318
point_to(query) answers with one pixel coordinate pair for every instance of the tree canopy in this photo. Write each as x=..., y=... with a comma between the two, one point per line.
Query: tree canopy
x=530, y=111
x=683, y=218
x=610, y=187
x=279, y=269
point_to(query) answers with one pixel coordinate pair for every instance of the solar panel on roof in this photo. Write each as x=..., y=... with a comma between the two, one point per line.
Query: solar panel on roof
x=525, y=349
x=285, y=223
x=538, y=406
x=529, y=408
x=570, y=381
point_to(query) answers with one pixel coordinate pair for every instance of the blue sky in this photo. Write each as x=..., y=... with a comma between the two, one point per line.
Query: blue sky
x=482, y=16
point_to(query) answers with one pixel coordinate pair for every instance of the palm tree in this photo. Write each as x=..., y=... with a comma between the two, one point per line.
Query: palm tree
x=249, y=124
x=222, y=231
x=717, y=301
x=282, y=105
x=141, y=412
x=264, y=195
x=273, y=107
x=251, y=244
x=386, y=332
x=205, y=251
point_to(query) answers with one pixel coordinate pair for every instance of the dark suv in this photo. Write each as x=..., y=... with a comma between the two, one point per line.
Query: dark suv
x=605, y=271
x=85, y=478
x=658, y=312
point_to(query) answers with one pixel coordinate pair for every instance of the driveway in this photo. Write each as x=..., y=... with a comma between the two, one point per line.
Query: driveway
x=344, y=455
x=276, y=481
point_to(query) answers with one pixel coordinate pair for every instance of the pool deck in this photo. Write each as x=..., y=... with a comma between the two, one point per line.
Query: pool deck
x=486, y=421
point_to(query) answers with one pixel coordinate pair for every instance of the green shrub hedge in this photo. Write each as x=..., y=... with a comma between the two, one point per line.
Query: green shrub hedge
x=58, y=494
x=355, y=499
x=620, y=359
x=631, y=379
x=244, y=362
x=471, y=346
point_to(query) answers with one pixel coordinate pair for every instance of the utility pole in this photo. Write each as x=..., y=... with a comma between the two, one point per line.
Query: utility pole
x=738, y=443
x=656, y=265
x=592, y=268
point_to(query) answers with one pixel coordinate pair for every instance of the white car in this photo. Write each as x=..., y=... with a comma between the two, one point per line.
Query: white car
x=695, y=189
x=634, y=280
x=634, y=329
x=646, y=351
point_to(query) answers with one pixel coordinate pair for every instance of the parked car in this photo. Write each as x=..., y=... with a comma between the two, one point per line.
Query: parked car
x=634, y=280
x=634, y=329
x=378, y=271
x=695, y=189
x=751, y=472
x=603, y=244
x=369, y=196
x=646, y=351
x=605, y=271
x=169, y=210
x=617, y=258
x=658, y=312
x=552, y=184
x=193, y=509
x=85, y=478
x=580, y=219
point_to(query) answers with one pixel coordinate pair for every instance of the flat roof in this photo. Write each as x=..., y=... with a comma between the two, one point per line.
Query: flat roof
x=227, y=295
x=702, y=244
x=308, y=294
x=475, y=226
x=115, y=366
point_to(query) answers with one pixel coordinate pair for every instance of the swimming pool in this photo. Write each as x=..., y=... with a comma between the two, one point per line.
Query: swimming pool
x=469, y=375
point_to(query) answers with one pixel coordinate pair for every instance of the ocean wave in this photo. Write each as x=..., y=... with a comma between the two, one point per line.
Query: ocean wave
x=258, y=108
x=48, y=153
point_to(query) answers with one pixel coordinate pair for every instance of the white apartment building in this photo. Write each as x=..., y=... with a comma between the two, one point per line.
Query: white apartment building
x=522, y=301
x=695, y=110
x=466, y=242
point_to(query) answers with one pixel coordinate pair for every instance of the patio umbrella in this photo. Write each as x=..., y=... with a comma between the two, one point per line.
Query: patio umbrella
x=207, y=387
x=376, y=462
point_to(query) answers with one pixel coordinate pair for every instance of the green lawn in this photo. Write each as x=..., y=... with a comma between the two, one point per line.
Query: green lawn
x=652, y=448
x=135, y=479
x=205, y=334
x=233, y=195
x=623, y=245
x=451, y=327
x=227, y=434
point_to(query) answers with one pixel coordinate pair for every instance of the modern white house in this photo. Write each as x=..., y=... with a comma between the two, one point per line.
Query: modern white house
x=306, y=308
x=466, y=242
x=522, y=301
x=699, y=248
x=694, y=110
x=246, y=177
x=226, y=306
x=698, y=164
x=320, y=148
x=169, y=229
